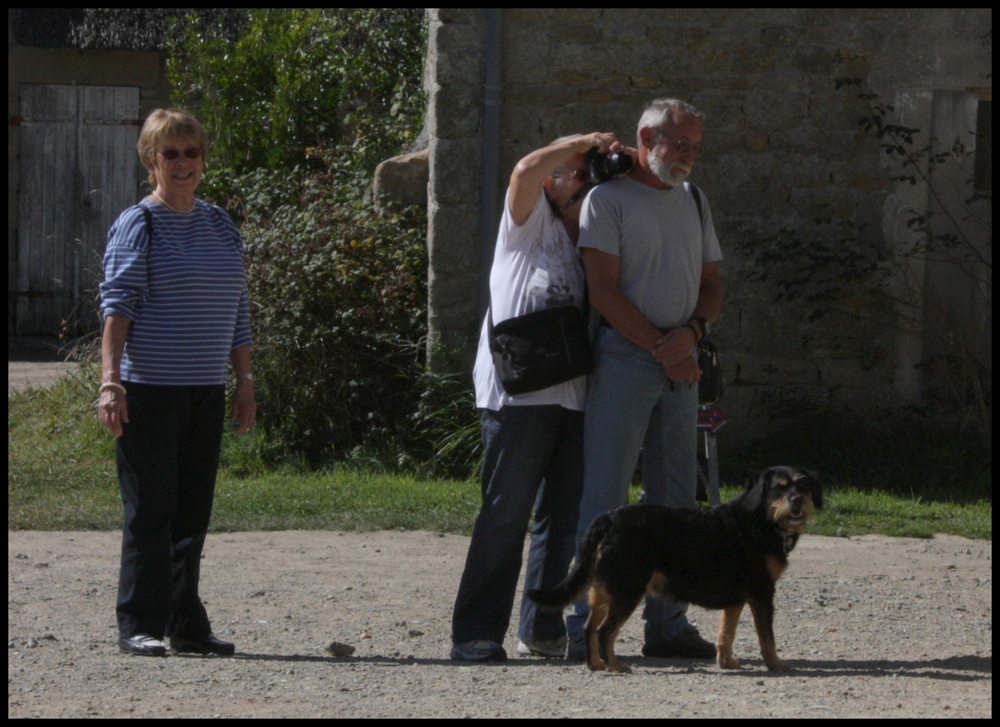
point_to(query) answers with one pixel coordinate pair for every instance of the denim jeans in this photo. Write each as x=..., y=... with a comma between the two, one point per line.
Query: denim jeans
x=633, y=406
x=533, y=457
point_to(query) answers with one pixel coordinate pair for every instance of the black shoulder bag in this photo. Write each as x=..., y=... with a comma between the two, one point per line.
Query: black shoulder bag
x=540, y=349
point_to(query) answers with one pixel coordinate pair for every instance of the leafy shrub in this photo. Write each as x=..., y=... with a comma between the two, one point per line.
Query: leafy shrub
x=300, y=108
x=299, y=79
x=339, y=300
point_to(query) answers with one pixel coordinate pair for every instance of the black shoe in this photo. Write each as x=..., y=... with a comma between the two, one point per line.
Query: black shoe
x=141, y=645
x=206, y=644
x=688, y=644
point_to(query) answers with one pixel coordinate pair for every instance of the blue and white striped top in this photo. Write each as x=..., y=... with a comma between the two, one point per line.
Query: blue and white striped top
x=185, y=294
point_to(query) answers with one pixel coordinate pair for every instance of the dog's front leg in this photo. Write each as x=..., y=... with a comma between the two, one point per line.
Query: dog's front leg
x=763, y=619
x=727, y=635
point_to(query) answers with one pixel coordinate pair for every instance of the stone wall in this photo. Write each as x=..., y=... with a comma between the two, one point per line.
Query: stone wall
x=783, y=150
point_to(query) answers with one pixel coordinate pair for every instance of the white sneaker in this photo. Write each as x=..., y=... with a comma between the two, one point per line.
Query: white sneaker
x=546, y=647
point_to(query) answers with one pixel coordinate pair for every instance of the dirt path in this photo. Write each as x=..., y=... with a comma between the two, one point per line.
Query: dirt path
x=873, y=626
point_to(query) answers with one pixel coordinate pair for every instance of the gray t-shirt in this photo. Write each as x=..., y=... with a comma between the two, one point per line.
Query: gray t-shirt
x=659, y=240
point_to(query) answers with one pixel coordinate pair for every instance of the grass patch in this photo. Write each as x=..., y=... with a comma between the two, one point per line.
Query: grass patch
x=61, y=476
x=849, y=511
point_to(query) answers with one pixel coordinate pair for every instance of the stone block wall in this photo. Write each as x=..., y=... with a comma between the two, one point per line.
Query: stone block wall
x=784, y=150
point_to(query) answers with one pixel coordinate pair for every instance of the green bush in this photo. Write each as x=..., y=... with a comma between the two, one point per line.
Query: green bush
x=300, y=109
x=339, y=310
x=296, y=80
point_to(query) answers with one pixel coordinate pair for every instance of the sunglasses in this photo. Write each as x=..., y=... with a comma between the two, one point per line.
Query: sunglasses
x=171, y=155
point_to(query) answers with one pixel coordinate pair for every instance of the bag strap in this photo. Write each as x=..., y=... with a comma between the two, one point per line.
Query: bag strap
x=696, y=193
x=149, y=221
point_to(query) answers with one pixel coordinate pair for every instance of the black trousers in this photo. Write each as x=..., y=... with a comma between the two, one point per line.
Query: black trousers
x=167, y=458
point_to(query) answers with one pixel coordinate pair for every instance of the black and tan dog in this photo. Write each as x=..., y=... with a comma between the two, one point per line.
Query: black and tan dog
x=722, y=558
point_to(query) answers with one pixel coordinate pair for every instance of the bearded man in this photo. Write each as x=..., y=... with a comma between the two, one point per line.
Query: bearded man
x=651, y=257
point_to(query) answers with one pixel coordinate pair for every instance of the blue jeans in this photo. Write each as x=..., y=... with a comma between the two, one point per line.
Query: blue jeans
x=633, y=406
x=533, y=457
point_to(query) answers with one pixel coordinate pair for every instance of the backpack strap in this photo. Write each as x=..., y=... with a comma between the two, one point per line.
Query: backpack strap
x=149, y=220
x=696, y=193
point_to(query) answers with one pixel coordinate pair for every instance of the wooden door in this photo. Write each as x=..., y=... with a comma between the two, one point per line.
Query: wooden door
x=78, y=170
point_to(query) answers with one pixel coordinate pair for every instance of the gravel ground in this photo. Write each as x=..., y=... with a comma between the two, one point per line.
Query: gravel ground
x=872, y=626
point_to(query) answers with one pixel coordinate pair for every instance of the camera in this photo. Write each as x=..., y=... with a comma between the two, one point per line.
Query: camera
x=603, y=167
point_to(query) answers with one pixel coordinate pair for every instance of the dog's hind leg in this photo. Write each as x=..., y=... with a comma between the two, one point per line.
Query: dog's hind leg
x=763, y=619
x=618, y=614
x=727, y=635
x=599, y=601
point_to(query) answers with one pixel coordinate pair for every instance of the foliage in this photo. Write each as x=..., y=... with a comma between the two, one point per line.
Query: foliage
x=450, y=442
x=339, y=312
x=300, y=108
x=298, y=79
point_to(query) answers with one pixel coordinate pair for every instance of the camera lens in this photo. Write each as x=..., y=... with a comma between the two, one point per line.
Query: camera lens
x=604, y=167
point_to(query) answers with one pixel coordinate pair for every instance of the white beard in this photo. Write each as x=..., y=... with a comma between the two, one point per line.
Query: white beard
x=672, y=175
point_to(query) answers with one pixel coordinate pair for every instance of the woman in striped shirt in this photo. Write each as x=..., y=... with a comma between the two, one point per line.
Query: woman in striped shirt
x=175, y=317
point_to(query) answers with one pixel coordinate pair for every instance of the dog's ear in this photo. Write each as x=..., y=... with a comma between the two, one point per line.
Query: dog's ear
x=809, y=482
x=755, y=488
x=816, y=488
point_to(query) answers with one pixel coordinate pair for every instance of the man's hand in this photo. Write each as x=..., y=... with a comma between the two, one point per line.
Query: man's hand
x=675, y=352
x=685, y=370
x=675, y=346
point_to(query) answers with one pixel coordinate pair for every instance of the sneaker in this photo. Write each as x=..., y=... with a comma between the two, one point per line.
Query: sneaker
x=478, y=651
x=688, y=644
x=545, y=647
x=576, y=648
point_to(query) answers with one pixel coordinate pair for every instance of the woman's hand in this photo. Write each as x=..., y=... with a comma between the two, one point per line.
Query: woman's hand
x=112, y=409
x=244, y=406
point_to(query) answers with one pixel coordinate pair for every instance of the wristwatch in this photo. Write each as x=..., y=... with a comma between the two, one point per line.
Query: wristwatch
x=704, y=325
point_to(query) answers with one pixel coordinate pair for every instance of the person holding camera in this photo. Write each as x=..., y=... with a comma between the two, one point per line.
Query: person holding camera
x=650, y=252
x=532, y=442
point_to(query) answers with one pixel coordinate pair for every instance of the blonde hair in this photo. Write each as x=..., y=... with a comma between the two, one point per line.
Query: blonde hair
x=168, y=124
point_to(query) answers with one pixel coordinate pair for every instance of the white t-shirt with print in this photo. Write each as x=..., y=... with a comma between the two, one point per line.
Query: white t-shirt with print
x=535, y=266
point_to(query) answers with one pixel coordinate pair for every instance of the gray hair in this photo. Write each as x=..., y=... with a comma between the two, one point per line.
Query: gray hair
x=663, y=109
x=561, y=169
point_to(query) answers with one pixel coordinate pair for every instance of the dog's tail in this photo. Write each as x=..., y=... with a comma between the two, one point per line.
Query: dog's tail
x=579, y=576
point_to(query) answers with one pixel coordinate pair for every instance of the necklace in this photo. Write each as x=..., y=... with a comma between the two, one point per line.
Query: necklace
x=174, y=209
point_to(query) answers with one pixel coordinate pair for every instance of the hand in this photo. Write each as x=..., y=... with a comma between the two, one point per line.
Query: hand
x=686, y=371
x=112, y=409
x=605, y=142
x=675, y=346
x=244, y=407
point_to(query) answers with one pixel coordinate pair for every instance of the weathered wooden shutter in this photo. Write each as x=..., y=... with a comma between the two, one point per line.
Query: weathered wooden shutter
x=78, y=171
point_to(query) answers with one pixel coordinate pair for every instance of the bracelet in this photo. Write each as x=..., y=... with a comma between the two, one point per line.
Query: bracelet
x=245, y=377
x=111, y=385
x=697, y=336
